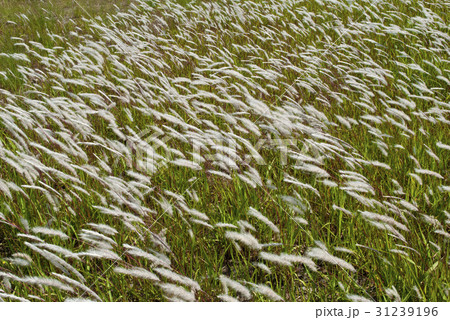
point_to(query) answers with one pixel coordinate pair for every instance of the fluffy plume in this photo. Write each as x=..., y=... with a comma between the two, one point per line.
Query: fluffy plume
x=321, y=254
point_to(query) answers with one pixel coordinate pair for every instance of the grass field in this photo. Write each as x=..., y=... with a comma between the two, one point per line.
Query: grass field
x=224, y=150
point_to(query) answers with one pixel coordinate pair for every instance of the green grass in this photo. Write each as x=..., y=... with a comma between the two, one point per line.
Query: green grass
x=209, y=253
x=32, y=20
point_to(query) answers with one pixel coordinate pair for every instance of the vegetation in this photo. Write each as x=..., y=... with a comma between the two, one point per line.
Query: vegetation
x=224, y=150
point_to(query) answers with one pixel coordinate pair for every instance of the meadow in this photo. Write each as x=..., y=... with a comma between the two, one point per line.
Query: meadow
x=224, y=150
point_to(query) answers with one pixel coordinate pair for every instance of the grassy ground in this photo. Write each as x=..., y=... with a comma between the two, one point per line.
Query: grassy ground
x=32, y=20
x=360, y=203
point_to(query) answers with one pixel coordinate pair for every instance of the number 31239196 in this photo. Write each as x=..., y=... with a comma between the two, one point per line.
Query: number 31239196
x=406, y=311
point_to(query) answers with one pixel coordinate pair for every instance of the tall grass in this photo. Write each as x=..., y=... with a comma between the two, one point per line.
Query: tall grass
x=226, y=150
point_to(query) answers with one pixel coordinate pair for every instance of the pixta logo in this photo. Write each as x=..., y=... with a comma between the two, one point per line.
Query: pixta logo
x=148, y=151
x=153, y=148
